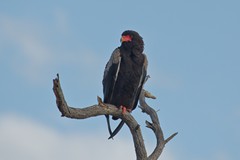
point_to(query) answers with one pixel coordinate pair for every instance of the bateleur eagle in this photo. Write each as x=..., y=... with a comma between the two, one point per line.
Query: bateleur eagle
x=124, y=75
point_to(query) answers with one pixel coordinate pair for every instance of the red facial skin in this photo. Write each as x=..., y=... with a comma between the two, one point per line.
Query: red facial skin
x=126, y=38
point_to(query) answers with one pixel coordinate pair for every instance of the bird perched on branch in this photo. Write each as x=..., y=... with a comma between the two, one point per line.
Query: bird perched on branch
x=124, y=75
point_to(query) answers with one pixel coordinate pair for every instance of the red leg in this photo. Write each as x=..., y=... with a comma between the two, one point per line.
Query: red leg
x=124, y=109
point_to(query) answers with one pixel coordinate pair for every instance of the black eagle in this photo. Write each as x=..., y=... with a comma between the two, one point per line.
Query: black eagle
x=124, y=75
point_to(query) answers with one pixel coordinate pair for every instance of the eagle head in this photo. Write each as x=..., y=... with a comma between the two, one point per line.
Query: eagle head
x=132, y=40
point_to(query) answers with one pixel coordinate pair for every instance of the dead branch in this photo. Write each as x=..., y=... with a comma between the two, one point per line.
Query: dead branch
x=103, y=109
x=155, y=125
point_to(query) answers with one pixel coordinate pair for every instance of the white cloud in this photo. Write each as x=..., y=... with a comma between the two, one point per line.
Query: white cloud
x=22, y=138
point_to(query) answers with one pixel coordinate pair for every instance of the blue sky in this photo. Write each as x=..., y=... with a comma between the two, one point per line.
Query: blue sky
x=193, y=52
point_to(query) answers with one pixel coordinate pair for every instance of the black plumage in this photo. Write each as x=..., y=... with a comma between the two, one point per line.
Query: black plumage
x=124, y=75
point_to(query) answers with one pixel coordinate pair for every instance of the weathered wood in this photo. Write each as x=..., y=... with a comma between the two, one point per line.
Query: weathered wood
x=155, y=125
x=103, y=109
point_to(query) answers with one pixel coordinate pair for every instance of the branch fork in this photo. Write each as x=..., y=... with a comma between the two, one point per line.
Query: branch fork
x=103, y=109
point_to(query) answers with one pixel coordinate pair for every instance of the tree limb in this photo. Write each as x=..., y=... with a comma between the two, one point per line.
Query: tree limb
x=103, y=109
x=155, y=125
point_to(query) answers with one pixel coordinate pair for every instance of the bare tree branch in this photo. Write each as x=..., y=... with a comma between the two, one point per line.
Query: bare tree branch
x=103, y=109
x=155, y=125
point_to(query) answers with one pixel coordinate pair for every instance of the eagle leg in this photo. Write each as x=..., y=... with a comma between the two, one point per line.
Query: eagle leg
x=124, y=109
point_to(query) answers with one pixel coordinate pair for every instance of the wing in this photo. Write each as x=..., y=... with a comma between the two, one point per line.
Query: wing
x=141, y=82
x=136, y=96
x=109, y=80
x=111, y=74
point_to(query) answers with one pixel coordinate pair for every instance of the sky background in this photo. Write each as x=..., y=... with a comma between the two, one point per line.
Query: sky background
x=193, y=48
